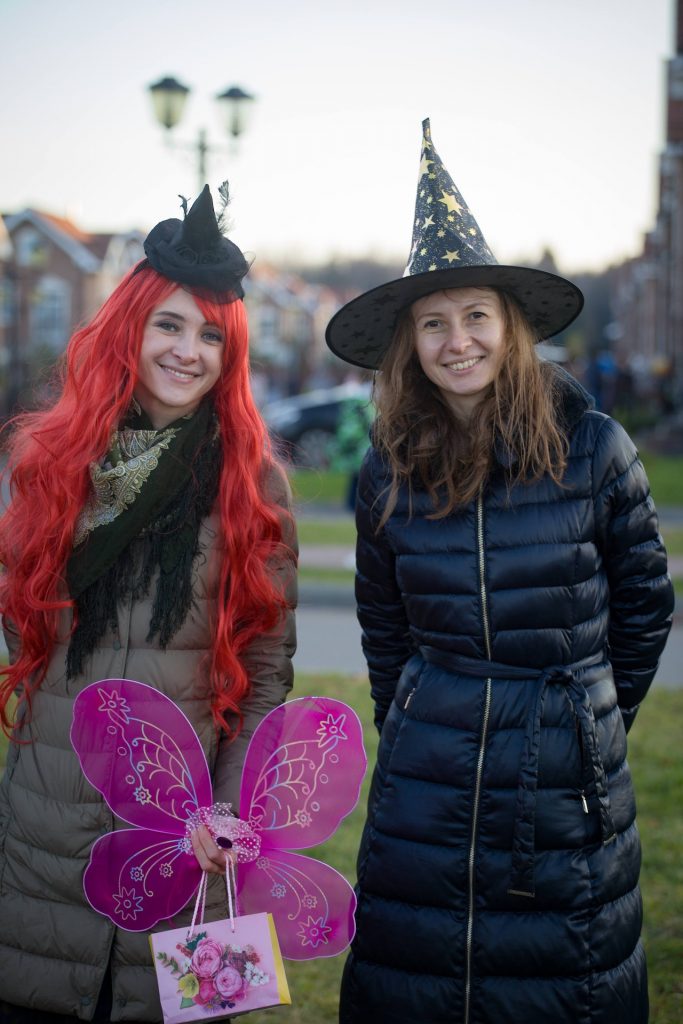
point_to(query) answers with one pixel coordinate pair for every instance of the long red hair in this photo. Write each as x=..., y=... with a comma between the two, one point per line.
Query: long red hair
x=49, y=457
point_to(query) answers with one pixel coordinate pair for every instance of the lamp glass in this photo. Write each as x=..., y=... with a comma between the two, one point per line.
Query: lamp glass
x=168, y=104
x=237, y=106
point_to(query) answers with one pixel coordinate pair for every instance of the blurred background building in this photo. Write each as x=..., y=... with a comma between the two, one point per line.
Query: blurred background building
x=646, y=332
x=627, y=345
x=54, y=276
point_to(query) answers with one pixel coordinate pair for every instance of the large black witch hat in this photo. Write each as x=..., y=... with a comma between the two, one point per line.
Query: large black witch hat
x=195, y=252
x=448, y=251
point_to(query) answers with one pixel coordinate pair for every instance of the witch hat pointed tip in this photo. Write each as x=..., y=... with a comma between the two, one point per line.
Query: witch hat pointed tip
x=195, y=252
x=204, y=200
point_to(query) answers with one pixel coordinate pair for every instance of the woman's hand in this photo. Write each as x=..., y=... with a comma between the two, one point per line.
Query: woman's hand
x=209, y=854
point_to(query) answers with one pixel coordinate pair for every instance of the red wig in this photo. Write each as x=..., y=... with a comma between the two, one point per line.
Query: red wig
x=49, y=457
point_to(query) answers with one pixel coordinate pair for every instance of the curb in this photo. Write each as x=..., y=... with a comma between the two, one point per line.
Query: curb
x=326, y=595
x=335, y=595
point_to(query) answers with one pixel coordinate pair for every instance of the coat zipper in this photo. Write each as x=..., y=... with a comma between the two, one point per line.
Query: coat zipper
x=480, y=758
x=482, y=576
x=577, y=726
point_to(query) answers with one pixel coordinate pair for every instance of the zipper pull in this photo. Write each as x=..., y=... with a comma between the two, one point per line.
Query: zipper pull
x=583, y=801
x=408, y=699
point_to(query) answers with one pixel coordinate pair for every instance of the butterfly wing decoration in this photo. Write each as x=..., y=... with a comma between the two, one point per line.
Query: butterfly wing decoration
x=139, y=750
x=302, y=775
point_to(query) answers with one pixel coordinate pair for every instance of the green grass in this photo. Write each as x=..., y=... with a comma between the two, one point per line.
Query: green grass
x=318, y=487
x=654, y=746
x=654, y=755
x=327, y=531
x=313, y=574
x=673, y=538
x=665, y=473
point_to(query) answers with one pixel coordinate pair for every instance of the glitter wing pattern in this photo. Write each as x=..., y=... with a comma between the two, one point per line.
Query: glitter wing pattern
x=139, y=750
x=302, y=775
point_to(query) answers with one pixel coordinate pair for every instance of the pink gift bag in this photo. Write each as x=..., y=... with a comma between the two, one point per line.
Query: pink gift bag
x=219, y=969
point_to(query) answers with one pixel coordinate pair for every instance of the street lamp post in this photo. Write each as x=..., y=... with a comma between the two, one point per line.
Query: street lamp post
x=168, y=101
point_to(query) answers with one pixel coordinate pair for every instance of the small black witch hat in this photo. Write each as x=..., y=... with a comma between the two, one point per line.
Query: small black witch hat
x=448, y=251
x=195, y=252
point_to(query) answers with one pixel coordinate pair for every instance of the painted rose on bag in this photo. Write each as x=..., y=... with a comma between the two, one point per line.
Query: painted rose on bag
x=229, y=982
x=206, y=959
x=213, y=975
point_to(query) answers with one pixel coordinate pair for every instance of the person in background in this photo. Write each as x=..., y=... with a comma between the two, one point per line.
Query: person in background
x=351, y=442
x=514, y=600
x=149, y=536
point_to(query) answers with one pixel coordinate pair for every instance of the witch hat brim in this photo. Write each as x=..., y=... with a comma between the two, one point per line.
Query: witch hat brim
x=445, y=232
x=362, y=330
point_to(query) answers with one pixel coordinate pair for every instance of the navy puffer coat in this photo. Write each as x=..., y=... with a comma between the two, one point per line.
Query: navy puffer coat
x=509, y=646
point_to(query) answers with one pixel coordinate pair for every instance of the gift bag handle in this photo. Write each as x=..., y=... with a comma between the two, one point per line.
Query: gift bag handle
x=200, y=902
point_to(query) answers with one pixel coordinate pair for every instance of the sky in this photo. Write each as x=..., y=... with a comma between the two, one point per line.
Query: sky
x=549, y=115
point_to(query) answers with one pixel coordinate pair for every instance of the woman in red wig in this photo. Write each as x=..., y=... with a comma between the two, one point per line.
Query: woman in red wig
x=149, y=536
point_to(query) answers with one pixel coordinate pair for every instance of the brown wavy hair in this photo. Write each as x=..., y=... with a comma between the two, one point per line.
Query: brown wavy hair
x=424, y=442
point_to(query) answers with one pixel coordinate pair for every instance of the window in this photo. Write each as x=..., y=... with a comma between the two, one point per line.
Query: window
x=30, y=248
x=50, y=313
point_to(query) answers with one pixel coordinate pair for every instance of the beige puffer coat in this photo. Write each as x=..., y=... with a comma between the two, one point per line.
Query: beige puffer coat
x=54, y=949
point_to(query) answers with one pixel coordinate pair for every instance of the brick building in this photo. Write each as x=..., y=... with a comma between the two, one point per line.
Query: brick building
x=55, y=277
x=647, y=297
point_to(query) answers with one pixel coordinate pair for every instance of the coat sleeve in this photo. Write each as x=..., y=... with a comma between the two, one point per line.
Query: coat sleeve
x=641, y=592
x=269, y=659
x=386, y=636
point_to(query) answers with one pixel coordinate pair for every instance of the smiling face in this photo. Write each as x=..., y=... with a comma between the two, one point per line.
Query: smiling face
x=181, y=359
x=459, y=341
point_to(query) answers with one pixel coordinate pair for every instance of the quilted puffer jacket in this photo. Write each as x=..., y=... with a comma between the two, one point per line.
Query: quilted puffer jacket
x=509, y=645
x=54, y=949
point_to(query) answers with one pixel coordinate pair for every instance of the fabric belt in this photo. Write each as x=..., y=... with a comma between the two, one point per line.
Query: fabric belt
x=523, y=837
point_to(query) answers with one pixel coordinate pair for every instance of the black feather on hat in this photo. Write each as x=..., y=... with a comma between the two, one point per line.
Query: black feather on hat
x=194, y=251
x=448, y=251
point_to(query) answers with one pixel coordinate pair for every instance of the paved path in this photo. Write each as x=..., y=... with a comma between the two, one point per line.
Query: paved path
x=329, y=635
x=329, y=641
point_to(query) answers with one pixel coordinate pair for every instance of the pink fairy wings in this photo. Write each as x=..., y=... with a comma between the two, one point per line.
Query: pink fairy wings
x=296, y=750
x=139, y=750
x=302, y=776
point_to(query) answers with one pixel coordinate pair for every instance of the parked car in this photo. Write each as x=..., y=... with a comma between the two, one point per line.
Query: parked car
x=305, y=425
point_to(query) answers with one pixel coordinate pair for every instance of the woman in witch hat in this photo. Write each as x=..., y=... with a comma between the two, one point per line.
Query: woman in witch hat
x=149, y=536
x=514, y=600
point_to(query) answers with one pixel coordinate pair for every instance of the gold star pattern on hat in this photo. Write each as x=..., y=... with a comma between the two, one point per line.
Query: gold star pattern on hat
x=440, y=205
x=447, y=251
x=451, y=203
x=424, y=164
